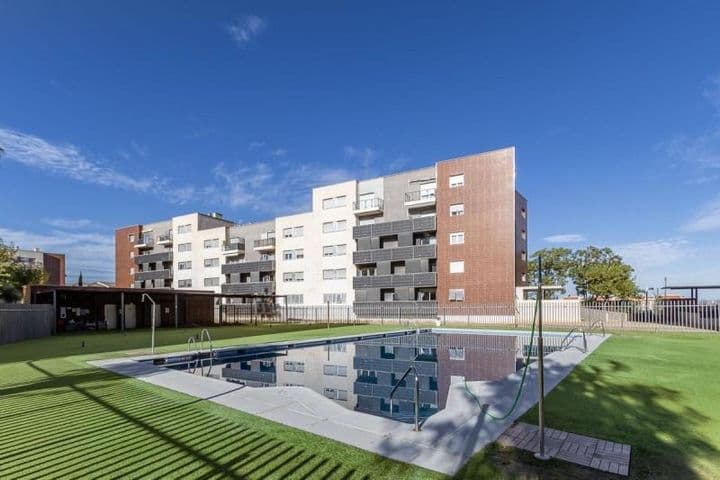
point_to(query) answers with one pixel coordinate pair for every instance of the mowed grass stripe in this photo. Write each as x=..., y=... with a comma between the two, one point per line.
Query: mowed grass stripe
x=63, y=418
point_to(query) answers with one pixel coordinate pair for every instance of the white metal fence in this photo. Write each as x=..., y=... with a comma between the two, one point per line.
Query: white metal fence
x=562, y=314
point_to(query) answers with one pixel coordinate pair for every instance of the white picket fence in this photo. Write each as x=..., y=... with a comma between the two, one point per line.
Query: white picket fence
x=558, y=314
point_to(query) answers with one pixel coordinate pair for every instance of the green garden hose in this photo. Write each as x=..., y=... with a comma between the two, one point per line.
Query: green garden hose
x=522, y=380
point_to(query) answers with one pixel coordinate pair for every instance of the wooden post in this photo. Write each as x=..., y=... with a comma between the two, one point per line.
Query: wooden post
x=176, y=310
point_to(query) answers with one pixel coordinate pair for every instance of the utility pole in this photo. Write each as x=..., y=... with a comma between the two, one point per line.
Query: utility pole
x=541, y=455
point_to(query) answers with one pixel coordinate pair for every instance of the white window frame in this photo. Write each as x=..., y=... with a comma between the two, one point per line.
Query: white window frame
x=457, y=209
x=456, y=294
x=185, y=283
x=213, y=281
x=294, y=299
x=457, y=238
x=186, y=228
x=457, y=266
x=185, y=247
x=334, y=202
x=456, y=353
x=457, y=180
x=335, y=298
x=185, y=265
x=211, y=262
x=211, y=243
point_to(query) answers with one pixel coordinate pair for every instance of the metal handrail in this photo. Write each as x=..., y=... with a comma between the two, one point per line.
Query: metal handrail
x=194, y=369
x=417, y=392
x=205, y=333
x=563, y=346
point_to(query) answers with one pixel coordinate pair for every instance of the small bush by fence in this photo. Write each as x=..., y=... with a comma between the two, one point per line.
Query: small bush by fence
x=556, y=314
x=22, y=322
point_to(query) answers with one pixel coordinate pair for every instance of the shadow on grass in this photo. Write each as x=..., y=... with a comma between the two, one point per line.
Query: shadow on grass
x=102, y=424
x=591, y=401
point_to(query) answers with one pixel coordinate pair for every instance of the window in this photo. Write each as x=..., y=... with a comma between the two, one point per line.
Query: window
x=335, y=370
x=296, y=254
x=523, y=235
x=524, y=277
x=334, y=250
x=131, y=238
x=187, y=283
x=334, y=202
x=132, y=270
x=457, y=180
x=211, y=243
x=294, y=299
x=337, y=298
x=457, y=238
x=523, y=213
x=523, y=256
x=211, y=262
x=457, y=267
x=334, y=274
x=212, y=281
x=457, y=295
x=290, y=366
x=298, y=231
x=287, y=232
x=184, y=247
x=456, y=353
x=335, y=394
x=366, y=271
x=291, y=232
x=457, y=209
x=338, y=226
x=293, y=277
x=187, y=228
x=187, y=265
x=132, y=254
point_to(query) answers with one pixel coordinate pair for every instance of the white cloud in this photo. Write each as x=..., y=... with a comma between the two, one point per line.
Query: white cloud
x=706, y=219
x=245, y=29
x=65, y=160
x=654, y=253
x=68, y=223
x=565, y=238
x=362, y=156
x=279, y=152
x=91, y=253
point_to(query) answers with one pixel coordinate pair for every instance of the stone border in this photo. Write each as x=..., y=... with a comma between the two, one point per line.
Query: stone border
x=445, y=443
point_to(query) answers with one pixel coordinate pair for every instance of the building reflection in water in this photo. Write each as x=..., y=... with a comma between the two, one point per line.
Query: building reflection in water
x=361, y=375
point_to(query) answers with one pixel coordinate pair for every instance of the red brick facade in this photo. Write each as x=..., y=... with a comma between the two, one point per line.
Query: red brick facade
x=123, y=261
x=489, y=224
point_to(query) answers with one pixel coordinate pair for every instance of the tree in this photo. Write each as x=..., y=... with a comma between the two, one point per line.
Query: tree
x=80, y=282
x=601, y=273
x=14, y=274
x=595, y=272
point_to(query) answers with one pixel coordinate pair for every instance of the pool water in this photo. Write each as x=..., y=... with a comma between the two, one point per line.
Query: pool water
x=369, y=375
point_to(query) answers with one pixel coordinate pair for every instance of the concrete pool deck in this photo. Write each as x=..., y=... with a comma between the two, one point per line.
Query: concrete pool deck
x=445, y=443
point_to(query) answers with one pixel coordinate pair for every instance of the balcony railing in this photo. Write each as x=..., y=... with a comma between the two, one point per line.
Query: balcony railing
x=368, y=205
x=389, y=254
x=145, y=242
x=165, y=239
x=419, y=224
x=425, y=279
x=420, y=196
x=248, y=288
x=232, y=247
x=247, y=267
x=264, y=243
x=153, y=275
x=153, y=257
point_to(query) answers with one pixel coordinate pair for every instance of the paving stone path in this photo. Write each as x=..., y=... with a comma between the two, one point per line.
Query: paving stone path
x=590, y=452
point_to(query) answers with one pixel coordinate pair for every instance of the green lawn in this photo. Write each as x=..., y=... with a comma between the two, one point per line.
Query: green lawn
x=61, y=418
x=659, y=393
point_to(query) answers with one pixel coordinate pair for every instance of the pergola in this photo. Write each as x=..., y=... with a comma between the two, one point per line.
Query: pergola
x=694, y=289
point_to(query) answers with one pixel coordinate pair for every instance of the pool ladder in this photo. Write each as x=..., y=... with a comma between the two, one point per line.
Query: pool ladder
x=199, y=360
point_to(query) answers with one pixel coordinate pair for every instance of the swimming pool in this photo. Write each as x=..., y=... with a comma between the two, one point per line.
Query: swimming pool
x=384, y=375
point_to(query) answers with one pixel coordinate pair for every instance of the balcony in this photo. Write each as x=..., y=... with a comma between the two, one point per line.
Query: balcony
x=153, y=275
x=247, y=267
x=166, y=239
x=426, y=279
x=233, y=248
x=420, y=198
x=390, y=254
x=368, y=206
x=415, y=225
x=145, y=242
x=153, y=258
x=248, y=288
x=264, y=245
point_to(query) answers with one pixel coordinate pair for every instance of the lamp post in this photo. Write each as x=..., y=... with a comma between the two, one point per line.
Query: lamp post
x=152, y=316
x=541, y=455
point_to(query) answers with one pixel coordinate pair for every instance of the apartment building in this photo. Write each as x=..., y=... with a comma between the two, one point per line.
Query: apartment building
x=451, y=233
x=53, y=264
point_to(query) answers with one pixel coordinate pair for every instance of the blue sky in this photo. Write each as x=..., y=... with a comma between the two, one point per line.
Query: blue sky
x=113, y=114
